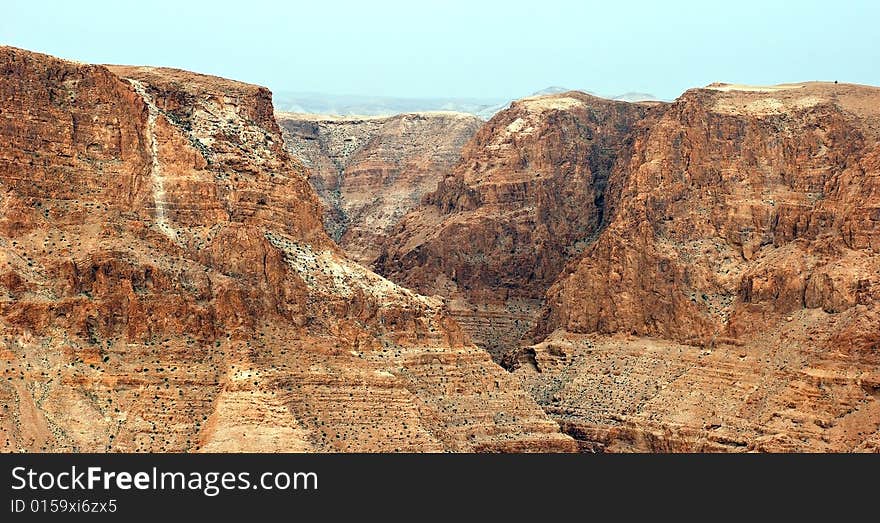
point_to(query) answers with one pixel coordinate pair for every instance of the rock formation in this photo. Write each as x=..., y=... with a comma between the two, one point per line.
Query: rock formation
x=740, y=266
x=369, y=172
x=166, y=285
x=527, y=195
x=710, y=266
x=696, y=276
x=735, y=208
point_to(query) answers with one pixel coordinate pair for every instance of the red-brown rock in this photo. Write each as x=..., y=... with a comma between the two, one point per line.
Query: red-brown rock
x=369, y=172
x=745, y=226
x=527, y=195
x=167, y=285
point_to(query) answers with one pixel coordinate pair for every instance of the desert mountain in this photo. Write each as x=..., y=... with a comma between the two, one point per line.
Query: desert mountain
x=369, y=172
x=743, y=239
x=527, y=195
x=708, y=269
x=166, y=284
x=701, y=275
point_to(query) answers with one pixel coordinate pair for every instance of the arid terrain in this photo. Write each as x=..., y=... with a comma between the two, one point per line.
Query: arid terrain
x=369, y=172
x=527, y=195
x=710, y=284
x=184, y=269
x=167, y=285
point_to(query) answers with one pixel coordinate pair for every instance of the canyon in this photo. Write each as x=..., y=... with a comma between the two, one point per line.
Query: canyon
x=737, y=279
x=167, y=285
x=527, y=196
x=369, y=172
x=183, y=268
x=704, y=273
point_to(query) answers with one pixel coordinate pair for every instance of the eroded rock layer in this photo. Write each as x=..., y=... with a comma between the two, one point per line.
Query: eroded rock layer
x=745, y=226
x=166, y=285
x=528, y=194
x=369, y=172
x=735, y=207
x=788, y=390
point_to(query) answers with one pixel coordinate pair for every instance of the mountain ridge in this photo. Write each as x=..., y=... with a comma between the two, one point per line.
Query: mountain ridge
x=166, y=285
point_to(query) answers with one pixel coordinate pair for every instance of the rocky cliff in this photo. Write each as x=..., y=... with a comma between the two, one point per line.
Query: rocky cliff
x=528, y=194
x=696, y=276
x=744, y=231
x=369, y=172
x=735, y=206
x=706, y=270
x=166, y=285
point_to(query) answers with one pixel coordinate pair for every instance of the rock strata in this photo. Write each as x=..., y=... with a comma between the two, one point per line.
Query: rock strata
x=369, y=172
x=166, y=284
x=694, y=276
x=528, y=195
x=741, y=259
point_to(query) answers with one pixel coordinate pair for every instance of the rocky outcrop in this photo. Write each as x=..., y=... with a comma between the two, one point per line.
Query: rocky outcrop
x=166, y=285
x=794, y=388
x=743, y=240
x=369, y=172
x=735, y=208
x=166, y=282
x=711, y=266
x=528, y=194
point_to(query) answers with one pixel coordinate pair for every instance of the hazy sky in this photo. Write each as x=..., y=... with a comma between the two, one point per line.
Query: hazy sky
x=471, y=48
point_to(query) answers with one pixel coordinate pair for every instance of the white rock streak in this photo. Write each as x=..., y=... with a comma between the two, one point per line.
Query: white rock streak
x=157, y=182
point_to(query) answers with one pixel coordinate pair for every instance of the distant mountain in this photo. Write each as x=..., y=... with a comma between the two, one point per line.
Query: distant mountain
x=631, y=96
x=636, y=97
x=351, y=105
x=348, y=105
x=553, y=89
x=489, y=112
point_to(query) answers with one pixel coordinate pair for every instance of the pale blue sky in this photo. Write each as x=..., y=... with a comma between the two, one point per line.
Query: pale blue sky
x=466, y=48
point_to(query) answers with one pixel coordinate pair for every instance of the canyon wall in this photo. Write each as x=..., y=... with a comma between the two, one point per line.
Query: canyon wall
x=527, y=195
x=166, y=284
x=738, y=278
x=696, y=276
x=735, y=207
x=369, y=172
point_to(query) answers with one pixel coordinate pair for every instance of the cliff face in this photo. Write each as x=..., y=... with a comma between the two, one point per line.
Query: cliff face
x=369, y=172
x=527, y=195
x=735, y=208
x=792, y=389
x=746, y=223
x=704, y=273
x=166, y=285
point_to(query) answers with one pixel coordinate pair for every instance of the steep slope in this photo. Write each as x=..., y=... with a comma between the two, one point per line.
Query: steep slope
x=370, y=172
x=527, y=195
x=737, y=206
x=746, y=227
x=166, y=285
